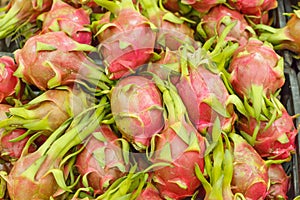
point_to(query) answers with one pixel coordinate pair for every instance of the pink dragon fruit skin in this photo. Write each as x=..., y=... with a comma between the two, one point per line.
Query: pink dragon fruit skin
x=8, y=81
x=121, y=50
x=253, y=7
x=250, y=173
x=54, y=59
x=203, y=6
x=178, y=180
x=104, y=167
x=279, y=182
x=256, y=64
x=213, y=24
x=277, y=141
x=136, y=105
x=193, y=90
x=63, y=17
x=14, y=149
x=149, y=193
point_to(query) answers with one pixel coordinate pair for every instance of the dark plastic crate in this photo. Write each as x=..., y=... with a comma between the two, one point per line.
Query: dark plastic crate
x=290, y=95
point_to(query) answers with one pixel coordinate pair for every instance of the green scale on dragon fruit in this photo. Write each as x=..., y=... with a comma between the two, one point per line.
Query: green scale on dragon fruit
x=21, y=12
x=11, y=147
x=286, y=37
x=216, y=181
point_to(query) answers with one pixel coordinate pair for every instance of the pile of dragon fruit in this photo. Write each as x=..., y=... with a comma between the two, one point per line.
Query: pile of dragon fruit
x=139, y=99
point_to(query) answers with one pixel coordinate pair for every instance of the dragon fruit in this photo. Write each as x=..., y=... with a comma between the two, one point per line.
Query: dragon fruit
x=203, y=6
x=274, y=142
x=214, y=22
x=104, y=159
x=119, y=47
x=149, y=193
x=19, y=13
x=53, y=59
x=47, y=111
x=180, y=145
x=63, y=17
x=172, y=30
x=9, y=83
x=13, y=149
x=250, y=172
x=279, y=182
x=253, y=9
x=136, y=105
x=256, y=75
x=204, y=95
x=41, y=173
x=285, y=37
